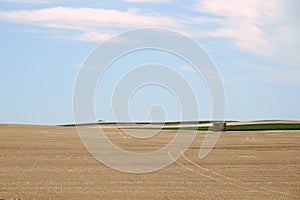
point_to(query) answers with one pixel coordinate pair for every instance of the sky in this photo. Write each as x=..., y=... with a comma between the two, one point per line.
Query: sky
x=254, y=44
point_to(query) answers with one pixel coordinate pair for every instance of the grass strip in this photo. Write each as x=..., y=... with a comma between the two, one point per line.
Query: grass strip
x=244, y=127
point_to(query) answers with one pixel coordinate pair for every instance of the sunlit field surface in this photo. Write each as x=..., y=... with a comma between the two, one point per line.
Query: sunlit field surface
x=50, y=162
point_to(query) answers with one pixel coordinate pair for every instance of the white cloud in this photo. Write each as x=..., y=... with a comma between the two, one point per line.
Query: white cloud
x=243, y=21
x=26, y=1
x=87, y=18
x=98, y=37
x=92, y=37
x=259, y=27
x=148, y=1
x=92, y=21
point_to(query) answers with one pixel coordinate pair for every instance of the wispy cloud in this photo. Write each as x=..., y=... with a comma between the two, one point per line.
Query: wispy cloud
x=259, y=27
x=263, y=28
x=148, y=1
x=92, y=37
x=87, y=18
x=98, y=37
x=90, y=20
x=27, y=1
x=242, y=21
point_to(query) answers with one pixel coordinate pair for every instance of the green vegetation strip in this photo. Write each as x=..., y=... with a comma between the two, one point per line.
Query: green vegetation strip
x=245, y=127
x=142, y=123
x=257, y=127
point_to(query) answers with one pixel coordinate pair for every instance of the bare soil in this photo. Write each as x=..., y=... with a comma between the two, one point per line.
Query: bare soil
x=49, y=162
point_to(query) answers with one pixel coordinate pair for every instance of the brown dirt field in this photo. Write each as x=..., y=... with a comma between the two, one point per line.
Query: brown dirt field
x=48, y=162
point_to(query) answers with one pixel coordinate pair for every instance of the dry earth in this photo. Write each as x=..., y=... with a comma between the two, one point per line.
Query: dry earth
x=48, y=162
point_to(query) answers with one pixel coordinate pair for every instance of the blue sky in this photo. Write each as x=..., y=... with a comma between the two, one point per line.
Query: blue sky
x=254, y=44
